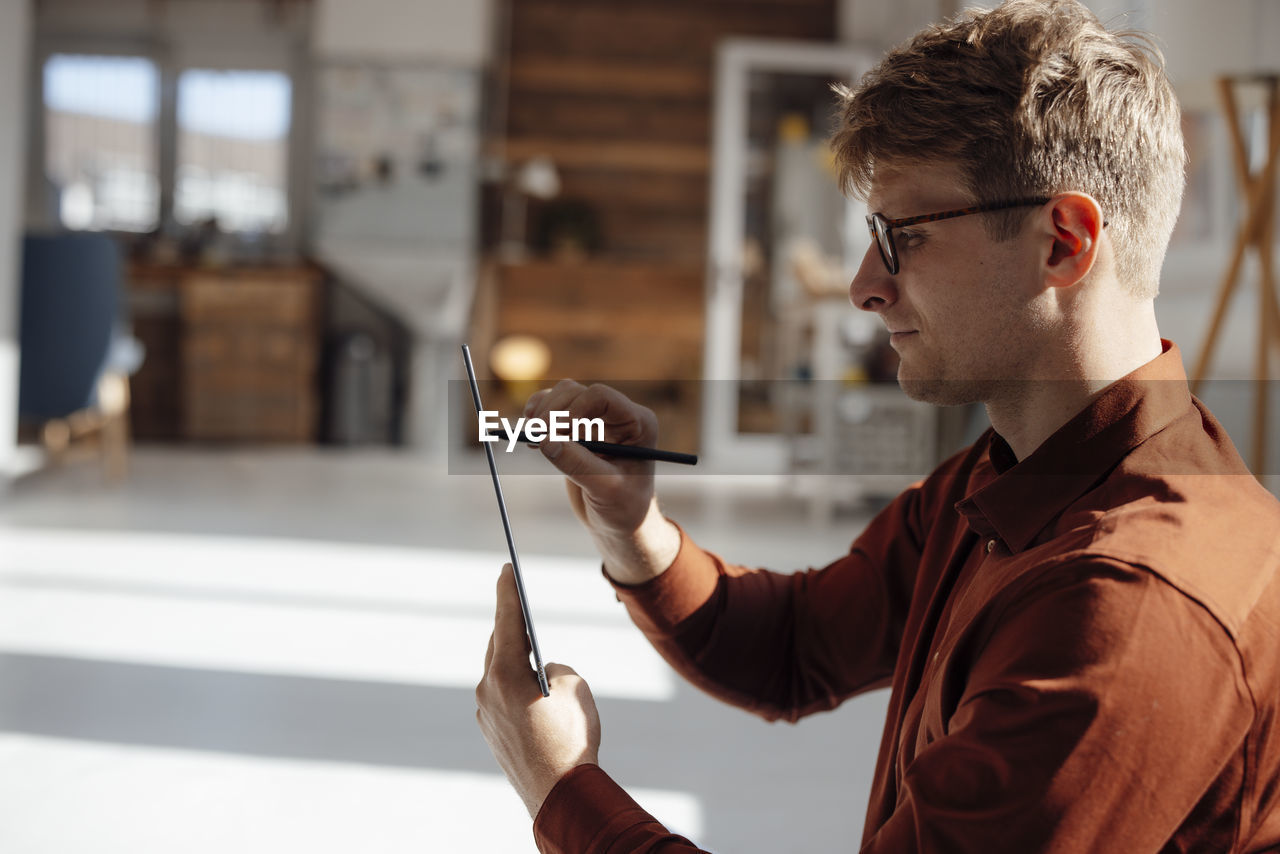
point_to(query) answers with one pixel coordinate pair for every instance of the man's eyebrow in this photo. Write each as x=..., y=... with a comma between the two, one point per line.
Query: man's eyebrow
x=914, y=209
x=894, y=208
x=890, y=213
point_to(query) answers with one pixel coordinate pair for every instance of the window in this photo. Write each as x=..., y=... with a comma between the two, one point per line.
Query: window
x=233, y=129
x=100, y=141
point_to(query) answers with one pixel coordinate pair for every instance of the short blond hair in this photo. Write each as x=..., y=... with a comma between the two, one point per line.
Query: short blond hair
x=1032, y=98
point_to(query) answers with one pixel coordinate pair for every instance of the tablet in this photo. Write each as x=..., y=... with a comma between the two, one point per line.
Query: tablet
x=506, y=527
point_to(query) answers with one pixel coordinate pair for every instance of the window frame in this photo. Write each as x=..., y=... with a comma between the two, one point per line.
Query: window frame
x=39, y=211
x=290, y=145
x=171, y=59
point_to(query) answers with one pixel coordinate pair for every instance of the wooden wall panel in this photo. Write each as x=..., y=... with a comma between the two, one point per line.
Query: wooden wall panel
x=619, y=95
x=637, y=327
x=667, y=31
x=608, y=76
x=590, y=116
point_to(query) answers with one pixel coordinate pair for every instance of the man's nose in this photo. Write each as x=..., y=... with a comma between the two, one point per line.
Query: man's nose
x=872, y=288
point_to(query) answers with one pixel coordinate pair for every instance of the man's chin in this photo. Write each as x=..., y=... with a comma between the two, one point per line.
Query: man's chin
x=939, y=392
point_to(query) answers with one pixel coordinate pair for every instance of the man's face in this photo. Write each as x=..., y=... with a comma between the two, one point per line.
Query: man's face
x=962, y=308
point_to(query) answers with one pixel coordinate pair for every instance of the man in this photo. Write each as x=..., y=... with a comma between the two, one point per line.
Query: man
x=1079, y=615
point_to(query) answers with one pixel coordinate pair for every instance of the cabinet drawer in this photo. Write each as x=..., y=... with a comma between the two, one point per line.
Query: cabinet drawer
x=259, y=302
x=267, y=349
x=248, y=381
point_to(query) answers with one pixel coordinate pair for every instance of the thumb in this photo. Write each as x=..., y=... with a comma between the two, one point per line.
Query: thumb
x=509, y=636
x=554, y=669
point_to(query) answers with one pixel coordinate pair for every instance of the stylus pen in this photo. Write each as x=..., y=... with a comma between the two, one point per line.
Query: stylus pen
x=610, y=449
x=506, y=527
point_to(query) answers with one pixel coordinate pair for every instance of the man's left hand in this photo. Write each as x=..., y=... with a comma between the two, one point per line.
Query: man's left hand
x=535, y=739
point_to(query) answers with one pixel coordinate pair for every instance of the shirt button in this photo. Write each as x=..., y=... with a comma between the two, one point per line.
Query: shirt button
x=991, y=545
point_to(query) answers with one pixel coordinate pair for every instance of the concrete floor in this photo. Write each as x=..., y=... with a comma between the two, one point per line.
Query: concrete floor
x=276, y=650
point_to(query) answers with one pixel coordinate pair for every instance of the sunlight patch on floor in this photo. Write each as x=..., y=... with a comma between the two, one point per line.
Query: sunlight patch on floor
x=68, y=796
x=408, y=615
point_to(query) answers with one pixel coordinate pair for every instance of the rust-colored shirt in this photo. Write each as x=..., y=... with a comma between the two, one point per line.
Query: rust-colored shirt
x=1083, y=646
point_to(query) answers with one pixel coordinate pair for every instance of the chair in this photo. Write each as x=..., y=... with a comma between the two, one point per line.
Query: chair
x=71, y=386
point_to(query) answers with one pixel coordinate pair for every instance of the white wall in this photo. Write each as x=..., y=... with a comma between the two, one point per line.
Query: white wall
x=15, y=40
x=885, y=24
x=447, y=32
x=211, y=33
x=410, y=247
x=1200, y=40
x=1203, y=40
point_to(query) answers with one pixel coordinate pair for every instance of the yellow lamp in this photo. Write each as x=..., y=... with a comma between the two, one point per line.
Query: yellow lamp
x=520, y=361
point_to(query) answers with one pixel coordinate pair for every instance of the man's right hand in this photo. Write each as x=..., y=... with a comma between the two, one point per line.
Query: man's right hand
x=614, y=498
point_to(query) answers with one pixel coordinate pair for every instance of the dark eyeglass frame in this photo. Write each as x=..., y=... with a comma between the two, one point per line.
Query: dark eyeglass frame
x=882, y=228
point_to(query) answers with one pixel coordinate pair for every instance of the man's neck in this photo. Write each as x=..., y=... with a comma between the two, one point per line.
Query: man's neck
x=1026, y=413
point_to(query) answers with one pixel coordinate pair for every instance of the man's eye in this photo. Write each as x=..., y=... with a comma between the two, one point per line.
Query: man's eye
x=908, y=239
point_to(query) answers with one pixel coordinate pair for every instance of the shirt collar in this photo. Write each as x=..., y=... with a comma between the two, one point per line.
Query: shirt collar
x=1019, y=498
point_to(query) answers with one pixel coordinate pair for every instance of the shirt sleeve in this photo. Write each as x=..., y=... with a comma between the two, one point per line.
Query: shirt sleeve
x=784, y=645
x=777, y=644
x=588, y=813
x=1101, y=712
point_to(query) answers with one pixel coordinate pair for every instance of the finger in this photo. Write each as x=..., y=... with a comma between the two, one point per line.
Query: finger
x=576, y=462
x=509, y=639
x=626, y=421
x=534, y=401
x=531, y=406
x=557, y=397
x=488, y=655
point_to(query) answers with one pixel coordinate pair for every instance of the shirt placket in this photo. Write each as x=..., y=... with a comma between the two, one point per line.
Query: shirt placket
x=984, y=544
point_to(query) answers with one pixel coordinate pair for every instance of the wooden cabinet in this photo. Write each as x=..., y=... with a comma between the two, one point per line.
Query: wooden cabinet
x=155, y=407
x=250, y=348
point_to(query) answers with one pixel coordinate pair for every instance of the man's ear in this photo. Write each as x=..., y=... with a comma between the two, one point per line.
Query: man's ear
x=1074, y=228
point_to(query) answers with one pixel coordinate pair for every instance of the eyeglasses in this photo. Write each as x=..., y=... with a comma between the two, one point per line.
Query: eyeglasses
x=882, y=229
